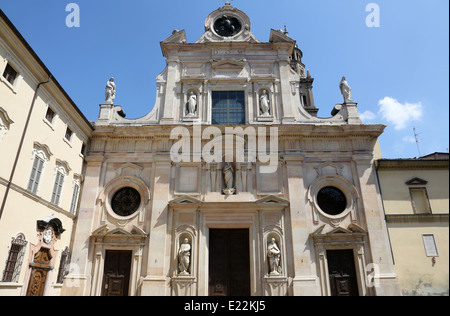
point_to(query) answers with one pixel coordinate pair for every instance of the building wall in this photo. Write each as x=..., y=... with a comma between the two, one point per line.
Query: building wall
x=23, y=208
x=396, y=194
x=419, y=274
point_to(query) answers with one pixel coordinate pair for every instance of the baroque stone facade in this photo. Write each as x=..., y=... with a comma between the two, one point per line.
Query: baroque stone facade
x=165, y=195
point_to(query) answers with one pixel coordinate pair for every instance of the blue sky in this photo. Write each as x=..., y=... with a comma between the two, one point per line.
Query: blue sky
x=399, y=71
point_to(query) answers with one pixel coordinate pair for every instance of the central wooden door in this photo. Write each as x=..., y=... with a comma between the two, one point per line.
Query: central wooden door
x=116, y=280
x=229, y=262
x=341, y=268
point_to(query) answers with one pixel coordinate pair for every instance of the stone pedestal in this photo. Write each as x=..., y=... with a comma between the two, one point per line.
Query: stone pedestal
x=184, y=285
x=275, y=285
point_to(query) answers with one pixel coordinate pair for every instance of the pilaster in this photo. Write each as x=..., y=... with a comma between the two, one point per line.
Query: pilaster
x=77, y=283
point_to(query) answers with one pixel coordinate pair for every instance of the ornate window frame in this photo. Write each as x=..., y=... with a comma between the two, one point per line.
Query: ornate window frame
x=117, y=184
x=42, y=152
x=5, y=122
x=9, y=60
x=19, y=241
x=341, y=183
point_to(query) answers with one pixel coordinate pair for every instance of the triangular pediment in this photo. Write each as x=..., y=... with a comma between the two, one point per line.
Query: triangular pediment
x=101, y=231
x=272, y=199
x=416, y=181
x=105, y=231
x=129, y=169
x=185, y=200
x=356, y=228
x=339, y=230
x=228, y=64
x=118, y=232
x=136, y=231
x=329, y=168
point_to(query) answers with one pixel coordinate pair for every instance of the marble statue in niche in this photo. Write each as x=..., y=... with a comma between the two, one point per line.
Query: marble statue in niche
x=228, y=174
x=264, y=104
x=191, y=105
x=184, y=257
x=274, y=256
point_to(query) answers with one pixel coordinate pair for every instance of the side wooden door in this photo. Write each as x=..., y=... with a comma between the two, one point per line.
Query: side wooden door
x=342, y=272
x=116, y=280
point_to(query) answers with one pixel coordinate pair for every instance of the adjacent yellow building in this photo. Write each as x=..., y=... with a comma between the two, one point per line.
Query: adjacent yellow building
x=416, y=201
x=43, y=140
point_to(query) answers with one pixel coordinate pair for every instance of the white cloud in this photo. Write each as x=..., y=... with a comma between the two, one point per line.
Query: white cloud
x=367, y=116
x=400, y=114
x=409, y=139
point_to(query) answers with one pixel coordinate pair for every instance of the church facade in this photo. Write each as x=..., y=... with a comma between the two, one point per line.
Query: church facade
x=232, y=185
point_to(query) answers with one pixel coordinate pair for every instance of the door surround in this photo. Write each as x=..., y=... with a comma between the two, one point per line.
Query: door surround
x=110, y=280
x=104, y=239
x=193, y=219
x=225, y=221
x=223, y=259
x=340, y=238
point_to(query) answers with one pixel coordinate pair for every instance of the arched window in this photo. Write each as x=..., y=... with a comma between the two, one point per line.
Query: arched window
x=15, y=259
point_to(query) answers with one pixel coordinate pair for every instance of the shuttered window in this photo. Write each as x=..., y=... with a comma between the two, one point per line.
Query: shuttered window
x=57, y=188
x=35, y=176
x=73, y=205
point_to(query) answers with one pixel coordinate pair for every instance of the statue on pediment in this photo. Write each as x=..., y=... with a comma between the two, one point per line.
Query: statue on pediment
x=110, y=92
x=345, y=90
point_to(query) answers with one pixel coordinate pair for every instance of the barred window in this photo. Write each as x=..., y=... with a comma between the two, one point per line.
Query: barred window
x=15, y=259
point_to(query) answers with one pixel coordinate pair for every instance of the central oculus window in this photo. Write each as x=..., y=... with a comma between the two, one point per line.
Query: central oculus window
x=228, y=107
x=332, y=200
x=126, y=202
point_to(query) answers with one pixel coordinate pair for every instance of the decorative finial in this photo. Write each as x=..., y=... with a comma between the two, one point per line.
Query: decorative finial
x=286, y=31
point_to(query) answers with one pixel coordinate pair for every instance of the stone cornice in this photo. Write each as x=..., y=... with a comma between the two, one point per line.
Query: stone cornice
x=284, y=131
x=417, y=218
x=411, y=164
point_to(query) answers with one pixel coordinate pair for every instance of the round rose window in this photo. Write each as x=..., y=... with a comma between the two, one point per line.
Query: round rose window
x=126, y=202
x=332, y=201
